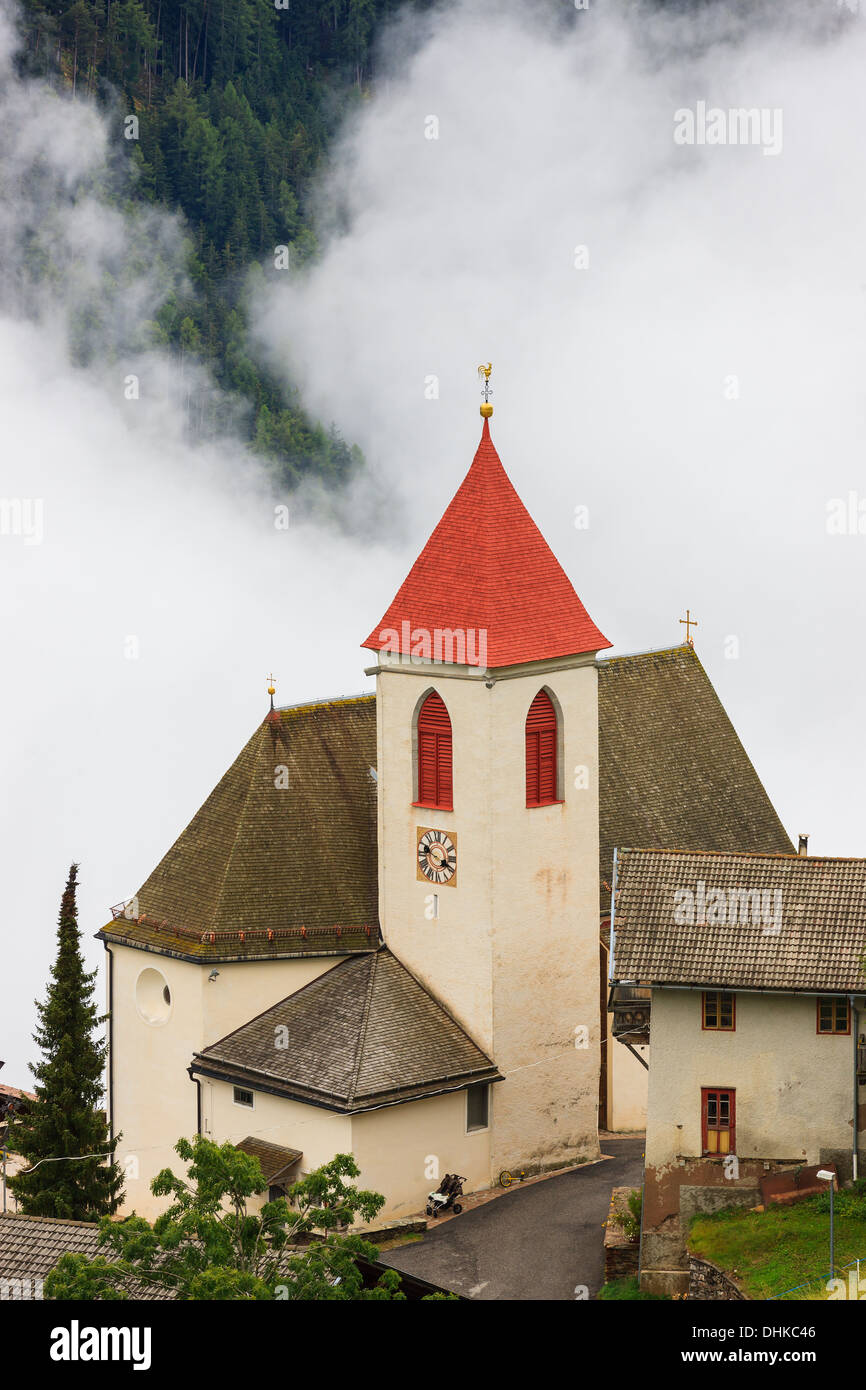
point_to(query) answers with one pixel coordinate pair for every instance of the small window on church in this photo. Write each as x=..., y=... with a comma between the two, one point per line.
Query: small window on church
x=477, y=1107
x=243, y=1097
x=541, y=752
x=434, y=755
x=833, y=1015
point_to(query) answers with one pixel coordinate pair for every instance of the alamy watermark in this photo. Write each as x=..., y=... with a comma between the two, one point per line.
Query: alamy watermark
x=711, y=125
x=443, y=645
x=24, y=517
x=719, y=907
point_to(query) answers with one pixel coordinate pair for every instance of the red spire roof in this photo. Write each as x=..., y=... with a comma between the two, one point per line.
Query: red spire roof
x=487, y=568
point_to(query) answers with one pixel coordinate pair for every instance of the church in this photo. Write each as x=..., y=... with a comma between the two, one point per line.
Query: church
x=385, y=931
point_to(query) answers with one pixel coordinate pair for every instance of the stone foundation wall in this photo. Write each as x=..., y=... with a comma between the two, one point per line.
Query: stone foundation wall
x=707, y=1282
x=621, y=1255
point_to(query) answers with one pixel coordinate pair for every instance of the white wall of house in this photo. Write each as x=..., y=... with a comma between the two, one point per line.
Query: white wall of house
x=794, y=1087
x=628, y=1084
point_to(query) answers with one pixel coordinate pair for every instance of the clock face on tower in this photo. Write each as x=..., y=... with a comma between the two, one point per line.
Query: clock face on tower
x=437, y=856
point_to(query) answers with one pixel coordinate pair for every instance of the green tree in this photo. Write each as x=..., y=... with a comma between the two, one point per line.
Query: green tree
x=65, y=1123
x=210, y=1245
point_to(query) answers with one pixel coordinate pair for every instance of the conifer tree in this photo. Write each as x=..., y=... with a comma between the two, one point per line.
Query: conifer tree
x=65, y=1122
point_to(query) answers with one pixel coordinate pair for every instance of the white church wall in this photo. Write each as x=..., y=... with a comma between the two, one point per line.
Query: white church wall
x=513, y=952
x=318, y=1133
x=244, y=989
x=154, y=1101
x=546, y=947
x=404, y=1150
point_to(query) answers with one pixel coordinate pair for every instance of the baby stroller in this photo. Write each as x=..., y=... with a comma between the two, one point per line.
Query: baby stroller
x=445, y=1196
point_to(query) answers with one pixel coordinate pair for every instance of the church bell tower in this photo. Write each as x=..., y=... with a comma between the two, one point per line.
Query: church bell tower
x=487, y=710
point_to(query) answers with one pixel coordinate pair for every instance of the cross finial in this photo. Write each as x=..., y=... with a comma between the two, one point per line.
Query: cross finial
x=272, y=689
x=487, y=408
x=689, y=622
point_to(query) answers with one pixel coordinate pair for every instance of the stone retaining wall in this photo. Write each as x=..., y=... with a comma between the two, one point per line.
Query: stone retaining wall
x=706, y=1282
x=621, y=1255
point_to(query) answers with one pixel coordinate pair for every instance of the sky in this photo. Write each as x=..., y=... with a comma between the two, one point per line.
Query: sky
x=677, y=337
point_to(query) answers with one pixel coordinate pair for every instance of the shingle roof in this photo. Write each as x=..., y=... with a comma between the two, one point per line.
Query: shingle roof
x=13, y=1093
x=673, y=773
x=30, y=1247
x=275, y=1160
x=805, y=929
x=366, y=1033
x=259, y=858
x=285, y=844
x=487, y=568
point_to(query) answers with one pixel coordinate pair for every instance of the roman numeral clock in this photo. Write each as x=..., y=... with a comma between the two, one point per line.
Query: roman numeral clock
x=437, y=856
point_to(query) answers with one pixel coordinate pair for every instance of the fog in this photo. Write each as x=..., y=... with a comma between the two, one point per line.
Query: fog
x=695, y=381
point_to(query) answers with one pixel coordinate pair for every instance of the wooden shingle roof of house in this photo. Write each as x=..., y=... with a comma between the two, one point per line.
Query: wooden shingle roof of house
x=672, y=770
x=363, y=1035
x=30, y=1247
x=281, y=859
x=266, y=870
x=276, y=1160
x=747, y=921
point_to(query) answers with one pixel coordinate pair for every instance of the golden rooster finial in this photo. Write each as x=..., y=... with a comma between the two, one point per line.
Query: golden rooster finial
x=487, y=408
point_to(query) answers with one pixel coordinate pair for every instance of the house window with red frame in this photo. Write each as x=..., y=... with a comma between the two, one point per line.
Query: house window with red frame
x=717, y=1120
x=435, y=784
x=541, y=752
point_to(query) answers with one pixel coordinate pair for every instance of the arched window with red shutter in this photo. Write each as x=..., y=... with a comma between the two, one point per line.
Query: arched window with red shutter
x=435, y=787
x=541, y=751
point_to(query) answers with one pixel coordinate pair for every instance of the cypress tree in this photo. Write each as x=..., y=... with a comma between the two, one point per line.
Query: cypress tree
x=65, y=1121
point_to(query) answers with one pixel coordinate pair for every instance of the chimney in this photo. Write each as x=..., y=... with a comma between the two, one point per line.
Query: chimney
x=803, y=846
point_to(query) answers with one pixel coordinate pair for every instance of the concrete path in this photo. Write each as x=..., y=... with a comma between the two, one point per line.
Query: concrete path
x=535, y=1242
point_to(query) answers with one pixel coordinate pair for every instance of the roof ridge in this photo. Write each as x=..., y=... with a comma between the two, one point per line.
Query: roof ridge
x=327, y=700
x=748, y=854
x=650, y=651
x=218, y=896
x=56, y=1220
x=362, y=1039
x=438, y=1002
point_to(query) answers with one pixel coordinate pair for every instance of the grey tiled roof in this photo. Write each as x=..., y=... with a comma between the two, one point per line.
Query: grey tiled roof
x=300, y=861
x=672, y=772
x=30, y=1247
x=365, y=1033
x=804, y=928
x=285, y=844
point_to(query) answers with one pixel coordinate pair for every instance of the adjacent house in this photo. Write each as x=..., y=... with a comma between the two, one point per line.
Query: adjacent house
x=749, y=972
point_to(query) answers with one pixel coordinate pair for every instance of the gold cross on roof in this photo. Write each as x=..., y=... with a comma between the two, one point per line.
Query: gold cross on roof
x=689, y=622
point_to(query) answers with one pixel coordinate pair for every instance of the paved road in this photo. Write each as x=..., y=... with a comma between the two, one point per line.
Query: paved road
x=536, y=1242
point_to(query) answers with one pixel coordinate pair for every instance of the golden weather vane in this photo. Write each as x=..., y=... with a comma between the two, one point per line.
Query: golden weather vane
x=689, y=622
x=486, y=391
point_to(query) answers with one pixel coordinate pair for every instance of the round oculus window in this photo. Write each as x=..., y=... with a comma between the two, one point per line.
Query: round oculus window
x=153, y=996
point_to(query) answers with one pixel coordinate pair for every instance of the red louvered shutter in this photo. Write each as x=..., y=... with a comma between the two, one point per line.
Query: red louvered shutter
x=541, y=785
x=435, y=787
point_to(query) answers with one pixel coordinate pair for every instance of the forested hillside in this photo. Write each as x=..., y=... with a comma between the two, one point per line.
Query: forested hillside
x=236, y=101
